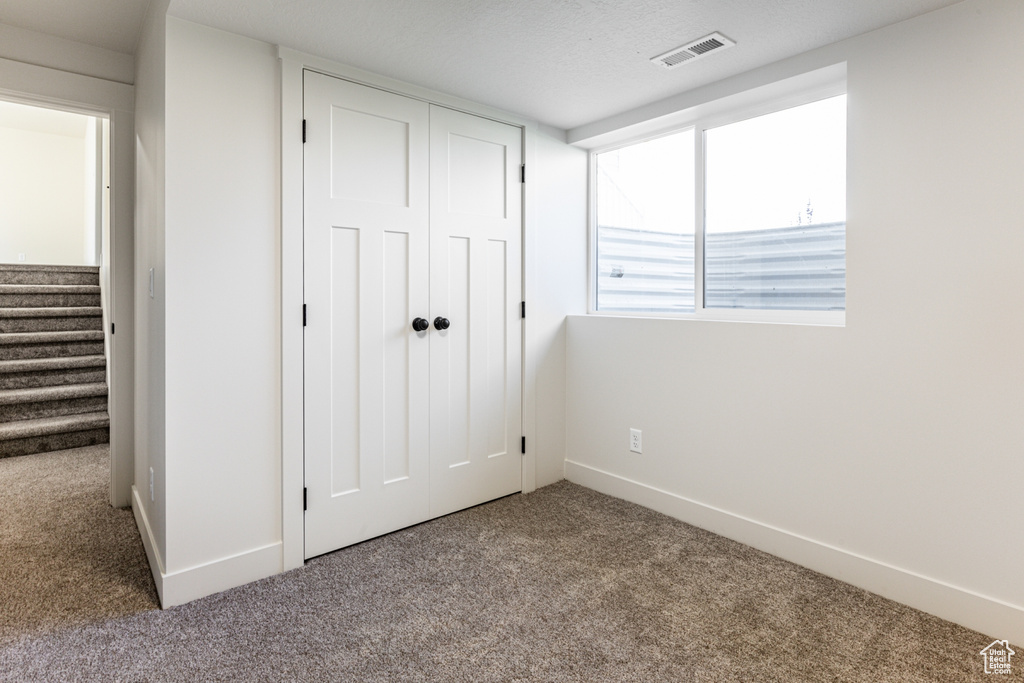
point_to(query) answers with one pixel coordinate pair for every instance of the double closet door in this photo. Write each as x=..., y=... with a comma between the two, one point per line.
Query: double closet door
x=413, y=219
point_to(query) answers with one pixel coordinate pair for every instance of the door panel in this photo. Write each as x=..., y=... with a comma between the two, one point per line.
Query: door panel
x=475, y=282
x=369, y=157
x=477, y=172
x=397, y=391
x=366, y=278
x=494, y=423
x=453, y=407
x=343, y=399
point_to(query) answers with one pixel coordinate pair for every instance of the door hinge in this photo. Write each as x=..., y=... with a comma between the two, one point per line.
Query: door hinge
x=304, y=498
x=303, y=130
x=524, y=445
x=111, y=328
x=303, y=315
x=522, y=310
x=522, y=173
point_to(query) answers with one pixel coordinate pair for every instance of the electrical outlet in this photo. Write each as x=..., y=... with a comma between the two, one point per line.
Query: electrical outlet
x=151, y=495
x=636, y=441
x=21, y=257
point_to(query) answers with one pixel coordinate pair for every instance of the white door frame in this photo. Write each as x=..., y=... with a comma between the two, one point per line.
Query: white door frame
x=292, y=65
x=38, y=85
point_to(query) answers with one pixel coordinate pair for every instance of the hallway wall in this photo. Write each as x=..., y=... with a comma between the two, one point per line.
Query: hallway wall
x=45, y=186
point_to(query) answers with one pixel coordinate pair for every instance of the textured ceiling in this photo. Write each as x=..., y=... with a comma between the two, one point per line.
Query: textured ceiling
x=561, y=62
x=110, y=24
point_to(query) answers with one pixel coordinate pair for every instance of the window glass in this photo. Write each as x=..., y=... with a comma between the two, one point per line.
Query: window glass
x=645, y=226
x=775, y=210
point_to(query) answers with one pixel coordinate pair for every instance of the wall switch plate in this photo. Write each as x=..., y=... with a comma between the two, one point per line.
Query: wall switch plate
x=151, y=496
x=152, y=282
x=636, y=441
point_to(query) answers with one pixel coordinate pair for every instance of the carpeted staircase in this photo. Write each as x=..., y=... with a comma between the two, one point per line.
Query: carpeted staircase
x=53, y=391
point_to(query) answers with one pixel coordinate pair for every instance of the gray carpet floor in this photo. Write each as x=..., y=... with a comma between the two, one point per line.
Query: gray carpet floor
x=564, y=584
x=66, y=557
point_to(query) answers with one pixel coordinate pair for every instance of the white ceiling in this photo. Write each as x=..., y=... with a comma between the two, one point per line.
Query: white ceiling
x=110, y=24
x=562, y=62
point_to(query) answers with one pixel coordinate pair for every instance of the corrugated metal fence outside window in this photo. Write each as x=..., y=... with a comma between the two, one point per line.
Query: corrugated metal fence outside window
x=790, y=268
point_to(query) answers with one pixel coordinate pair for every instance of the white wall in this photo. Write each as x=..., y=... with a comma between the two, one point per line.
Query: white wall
x=40, y=49
x=557, y=284
x=223, y=412
x=208, y=415
x=150, y=326
x=95, y=191
x=888, y=452
x=44, y=188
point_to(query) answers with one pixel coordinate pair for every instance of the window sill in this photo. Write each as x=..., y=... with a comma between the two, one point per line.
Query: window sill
x=808, y=318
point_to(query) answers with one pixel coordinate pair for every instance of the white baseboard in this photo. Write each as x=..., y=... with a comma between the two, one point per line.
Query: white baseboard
x=982, y=613
x=156, y=564
x=220, y=575
x=177, y=588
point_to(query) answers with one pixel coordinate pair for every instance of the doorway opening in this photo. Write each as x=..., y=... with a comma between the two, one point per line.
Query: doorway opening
x=56, y=338
x=54, y=208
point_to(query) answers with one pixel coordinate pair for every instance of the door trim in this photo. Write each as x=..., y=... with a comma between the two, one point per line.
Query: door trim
x=293, y=63
x=43, y=86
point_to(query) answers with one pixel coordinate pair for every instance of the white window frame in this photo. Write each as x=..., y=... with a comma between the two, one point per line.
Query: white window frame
x=791, y=92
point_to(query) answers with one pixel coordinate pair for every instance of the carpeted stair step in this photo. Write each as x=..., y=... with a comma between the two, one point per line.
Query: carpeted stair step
x=48, y=372
x=37, y=402
x=51, y=319
x=19, y=345
x=53, y=392
x=31, y=274
x=37, y=296
x=53, y=433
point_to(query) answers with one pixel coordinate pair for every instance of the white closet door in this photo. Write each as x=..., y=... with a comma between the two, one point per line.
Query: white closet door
x=366, y=279
x=475, y=283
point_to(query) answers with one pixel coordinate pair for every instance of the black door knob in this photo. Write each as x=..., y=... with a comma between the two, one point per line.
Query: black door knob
x=420, y=324
x=441, y=323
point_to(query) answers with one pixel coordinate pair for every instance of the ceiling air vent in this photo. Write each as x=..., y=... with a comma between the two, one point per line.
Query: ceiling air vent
x=695, y=50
